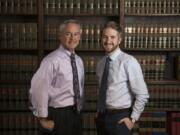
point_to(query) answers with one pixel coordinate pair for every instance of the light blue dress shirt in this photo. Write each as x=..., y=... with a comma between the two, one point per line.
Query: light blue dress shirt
x=125, y=83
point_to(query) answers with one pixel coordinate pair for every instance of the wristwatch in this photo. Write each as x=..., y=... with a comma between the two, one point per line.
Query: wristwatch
x=133, y=120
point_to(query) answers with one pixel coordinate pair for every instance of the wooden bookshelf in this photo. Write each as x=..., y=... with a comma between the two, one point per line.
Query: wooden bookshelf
x=30, y=28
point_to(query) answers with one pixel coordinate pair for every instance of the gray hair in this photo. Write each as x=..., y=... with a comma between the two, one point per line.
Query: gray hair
x=63, y=25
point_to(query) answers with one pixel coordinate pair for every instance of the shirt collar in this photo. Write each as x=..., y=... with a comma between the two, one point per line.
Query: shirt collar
x=67, y=52
x=114, y=54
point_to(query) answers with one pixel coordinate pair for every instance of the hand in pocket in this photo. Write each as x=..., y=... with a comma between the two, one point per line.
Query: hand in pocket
x=47, y=124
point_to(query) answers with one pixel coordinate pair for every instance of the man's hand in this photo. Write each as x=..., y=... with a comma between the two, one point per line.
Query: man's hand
x=127, y=122
x=47, y=124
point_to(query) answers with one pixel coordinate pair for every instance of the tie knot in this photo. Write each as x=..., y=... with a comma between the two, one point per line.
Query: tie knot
x=108, y=59
x=72, y=56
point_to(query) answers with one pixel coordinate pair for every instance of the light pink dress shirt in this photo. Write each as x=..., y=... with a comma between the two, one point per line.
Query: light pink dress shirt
x=52, y=84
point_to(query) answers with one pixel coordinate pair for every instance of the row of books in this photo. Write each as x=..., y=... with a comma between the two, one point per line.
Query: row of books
x=18, y=35
x=91, y=96
x=153, y=123
x=19, y=77
x=152, y=36
x=138, y=36
x=77, y=7
x=164, y=97
x=17, y=66
x=18, y=7
x=14, y=97
x=90, y=36
x=153, y=66
x=18, y=62
x=146, y=7
x=164, y=29
x=20, y=67
x=18, y=121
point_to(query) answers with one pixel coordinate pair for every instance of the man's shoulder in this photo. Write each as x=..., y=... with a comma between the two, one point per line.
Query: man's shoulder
x=126, y=57
x=53, y=56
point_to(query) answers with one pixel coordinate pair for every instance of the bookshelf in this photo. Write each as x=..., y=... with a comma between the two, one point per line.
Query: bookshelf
x=28, y=31
x=19, y=59
x=152, y=36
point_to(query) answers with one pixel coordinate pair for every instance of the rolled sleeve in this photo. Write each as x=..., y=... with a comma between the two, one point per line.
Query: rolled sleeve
x=39, y=94
x=138, y=88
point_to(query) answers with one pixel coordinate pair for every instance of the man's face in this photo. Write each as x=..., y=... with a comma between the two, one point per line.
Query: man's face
x=110, y=39
x=70, y=37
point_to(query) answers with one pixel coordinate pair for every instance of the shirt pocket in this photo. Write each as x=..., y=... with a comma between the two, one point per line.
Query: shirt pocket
x=62, y=76
x=117, y=74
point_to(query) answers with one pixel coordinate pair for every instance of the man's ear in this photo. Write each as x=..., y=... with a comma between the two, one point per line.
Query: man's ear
x=120, y=39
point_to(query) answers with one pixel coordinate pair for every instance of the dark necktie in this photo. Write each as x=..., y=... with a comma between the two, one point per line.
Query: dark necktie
x=103, y=87
x=75, y=83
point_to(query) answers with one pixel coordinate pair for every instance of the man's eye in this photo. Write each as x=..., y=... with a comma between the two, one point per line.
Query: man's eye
x=68, y=34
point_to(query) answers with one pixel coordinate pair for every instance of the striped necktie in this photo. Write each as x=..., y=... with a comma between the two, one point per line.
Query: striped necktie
x=75, y=83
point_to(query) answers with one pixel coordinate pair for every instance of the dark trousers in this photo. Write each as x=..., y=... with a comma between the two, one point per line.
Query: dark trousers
x=107, y=124
x=67, y=122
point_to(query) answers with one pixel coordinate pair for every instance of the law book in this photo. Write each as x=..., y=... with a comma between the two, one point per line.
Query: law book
x=46, y=6
x=91, y=37
x=86, y=34
x=138, y=7
x=103, y=6
x=77, y=7
x=22, y=36
x=64, y=7
x=164, y=37
x=23, y=5
x=84, y=6
x=58, y=7
x=31, y=7
x=97, y=7
x=147, y=7
x=91, y=93
x=126, y=37
x=33, y=33
x=110, y=7
x=172, y=7
x=70, y=7
x=51, y=7
x=90, y=7
x=127, y=6
x=4, y=5
x=169, y=38
x=143, y=7
x=3, y=35
x=10, y=6
x=177, y=36
x=97, y=34
x=134, y=37
x=91, y=67
x=176, y=7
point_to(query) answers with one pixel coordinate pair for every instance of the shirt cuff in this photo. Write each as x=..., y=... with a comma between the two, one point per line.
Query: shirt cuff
x=135, y=115
x=41, y=112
